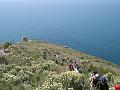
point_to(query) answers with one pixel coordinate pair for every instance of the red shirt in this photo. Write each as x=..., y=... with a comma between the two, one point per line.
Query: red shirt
x=70, y=66
x=117, y=87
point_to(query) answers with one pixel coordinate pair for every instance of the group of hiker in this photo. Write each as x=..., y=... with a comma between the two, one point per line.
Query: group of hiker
x=73, y=66
x=58, y=58
x=97, y=81
x=44, y=53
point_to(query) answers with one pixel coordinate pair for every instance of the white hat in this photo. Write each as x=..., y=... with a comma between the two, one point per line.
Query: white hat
x=96, y=75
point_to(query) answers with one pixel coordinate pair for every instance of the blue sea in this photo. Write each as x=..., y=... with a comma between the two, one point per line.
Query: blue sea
x=90, y=26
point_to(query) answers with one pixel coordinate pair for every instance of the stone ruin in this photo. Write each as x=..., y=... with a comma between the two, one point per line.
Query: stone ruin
x=24, y=39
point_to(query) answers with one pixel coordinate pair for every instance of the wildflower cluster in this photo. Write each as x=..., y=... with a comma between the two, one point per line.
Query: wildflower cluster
x=69, y=80
x=112, y=79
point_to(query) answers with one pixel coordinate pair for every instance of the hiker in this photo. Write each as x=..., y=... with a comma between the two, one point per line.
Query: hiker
x=44, y=53
x=98, y=81
x=93, y=79
x=76, y=67
x=64, y=60
x=70, y=65
x=55, y=58
x=102, y=83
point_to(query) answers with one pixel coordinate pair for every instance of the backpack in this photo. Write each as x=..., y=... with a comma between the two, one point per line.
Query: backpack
x=102, y=83
x=70, y=67
x=102, y=80
x=76, y=70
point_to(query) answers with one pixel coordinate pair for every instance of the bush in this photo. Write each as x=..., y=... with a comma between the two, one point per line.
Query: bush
x=73, y=80
x=49, y=65
x=7, y=44
x=3, y=60
x=66, y=81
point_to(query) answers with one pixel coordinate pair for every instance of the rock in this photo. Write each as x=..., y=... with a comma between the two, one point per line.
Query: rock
x=65, y=46
x=4, y=52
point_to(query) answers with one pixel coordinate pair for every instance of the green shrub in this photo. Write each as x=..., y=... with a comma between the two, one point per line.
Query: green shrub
x=3, y=60
x=7, y=44
x=65, y=81
x=73, y=80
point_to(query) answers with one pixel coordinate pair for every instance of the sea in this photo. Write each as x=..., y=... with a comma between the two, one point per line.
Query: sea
x=89, y=26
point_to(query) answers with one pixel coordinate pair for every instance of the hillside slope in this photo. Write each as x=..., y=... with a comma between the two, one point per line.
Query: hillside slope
x=37, y=65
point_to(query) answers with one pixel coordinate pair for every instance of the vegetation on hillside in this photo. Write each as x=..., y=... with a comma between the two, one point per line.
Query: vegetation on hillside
x=23, y=67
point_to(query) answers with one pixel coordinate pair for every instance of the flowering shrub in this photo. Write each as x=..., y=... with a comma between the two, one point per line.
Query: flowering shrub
x=73, y=80
x=66, y=81
x=112, y=79
x=49, y=65
x=24, y=69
